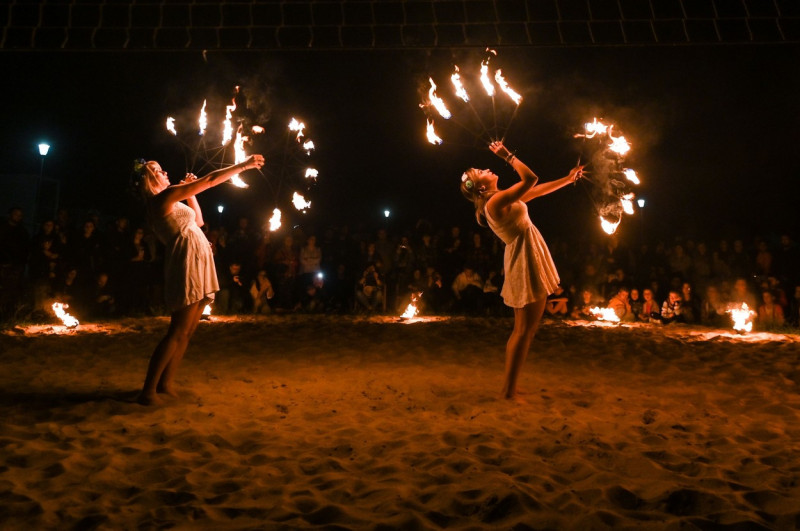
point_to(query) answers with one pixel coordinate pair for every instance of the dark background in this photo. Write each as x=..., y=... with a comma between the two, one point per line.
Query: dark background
x=714, y=130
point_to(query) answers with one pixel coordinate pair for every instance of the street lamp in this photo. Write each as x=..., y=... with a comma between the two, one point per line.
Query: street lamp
x=220, y=208
x=44, y=149
x=640, y=202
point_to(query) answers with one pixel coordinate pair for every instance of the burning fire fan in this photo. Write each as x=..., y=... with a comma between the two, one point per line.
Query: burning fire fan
x=611, y=193
x=285, y=145
x=470, y=101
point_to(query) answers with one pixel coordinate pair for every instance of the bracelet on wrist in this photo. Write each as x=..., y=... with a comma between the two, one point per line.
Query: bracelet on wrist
x=510, y=158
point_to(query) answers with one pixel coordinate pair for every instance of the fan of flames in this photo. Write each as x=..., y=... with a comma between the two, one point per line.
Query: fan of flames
x=237, y=139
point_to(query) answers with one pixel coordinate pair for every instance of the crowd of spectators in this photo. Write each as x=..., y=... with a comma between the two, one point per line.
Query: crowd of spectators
x=105, y=270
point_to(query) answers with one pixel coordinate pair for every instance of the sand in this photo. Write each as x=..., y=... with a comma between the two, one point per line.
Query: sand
x=314, y=422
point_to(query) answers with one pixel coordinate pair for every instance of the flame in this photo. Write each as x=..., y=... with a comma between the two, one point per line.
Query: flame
x=593, y=128
x=171, y=125
x=275, y=220
x=604, y=314
x=202, y=121
x=257, y=129
x=207, y=310
x=485, y=81
x=308, y=146
x=227, y=126
x=68, y=320
x=239, y=156
x=627, y=203
x=300, y=202
x=433, y=138
x=411, y=310
x=608, y=226
x=298, y=127
x=501, y=82
x=437, y=102
x=631, y=175
x=741, y=316
x=460, y=90
x=311, y=173
x=618, y=144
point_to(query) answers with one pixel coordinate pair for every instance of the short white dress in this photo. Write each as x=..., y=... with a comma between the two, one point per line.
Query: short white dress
x=530, y=272
x=189, y=272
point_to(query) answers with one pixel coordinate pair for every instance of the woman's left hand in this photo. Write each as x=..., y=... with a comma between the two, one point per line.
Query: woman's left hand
x=189, y=178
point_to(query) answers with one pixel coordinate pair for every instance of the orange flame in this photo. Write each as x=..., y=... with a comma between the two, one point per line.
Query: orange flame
x=275, y=220
x=461, y=92
x=300, y=202
x=605, y=314
x=297, y=127
x=311, y=173
x=631, y=175
x=171, y=125
x=627, y=203
x=618, y=144
x=239, y=157
x=501, y=82
x=485, y=81
x=608, y=226
x=411, y=310
x=68, y=320
x=433, y=138
x=741, y=316
x=202, y=121
x=437, y=102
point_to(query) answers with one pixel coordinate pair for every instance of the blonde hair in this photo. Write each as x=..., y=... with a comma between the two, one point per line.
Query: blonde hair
x=470, y=190
x=149, y=180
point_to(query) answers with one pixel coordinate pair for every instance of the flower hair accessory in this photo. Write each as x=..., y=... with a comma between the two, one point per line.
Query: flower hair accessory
x=138, y=166
x=468, y=184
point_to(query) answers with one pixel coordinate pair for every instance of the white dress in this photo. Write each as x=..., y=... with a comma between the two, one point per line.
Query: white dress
x=530, y=272
x=189, y=272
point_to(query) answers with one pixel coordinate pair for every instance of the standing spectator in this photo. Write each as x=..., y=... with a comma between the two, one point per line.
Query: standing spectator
x=14, y=249
x=287, y=264
x=310, y=260
x=786, y=261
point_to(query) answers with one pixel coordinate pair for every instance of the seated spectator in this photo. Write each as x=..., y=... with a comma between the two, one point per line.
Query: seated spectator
x=234, y=293
x=261, y=292
x=672, y=310
x=741, y=294
x=621, y=305
x=313, y=298
x=436, y=295
x=636, y=303
x=557, y=304
x=770, y=314
x=690, y=304
x=582, y=308
x=369, y=291
x=468, y=290
x=713, y=310
x=651, y=309
x=492, y=300
x=102, y=300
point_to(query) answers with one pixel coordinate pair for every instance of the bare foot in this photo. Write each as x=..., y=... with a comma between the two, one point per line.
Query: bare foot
x=168, y=390
x=149, y=399
x=514, y=397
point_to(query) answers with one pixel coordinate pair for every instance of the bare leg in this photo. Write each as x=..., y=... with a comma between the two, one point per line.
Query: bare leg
x=173, y=344
x=166, y=384
x=526, y=322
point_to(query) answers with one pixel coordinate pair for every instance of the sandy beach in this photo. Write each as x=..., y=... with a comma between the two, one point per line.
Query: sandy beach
x=318, y=422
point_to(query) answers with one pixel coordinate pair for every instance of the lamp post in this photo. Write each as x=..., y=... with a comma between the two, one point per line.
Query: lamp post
x=220, y=208
x=641, y=203
x=44, y=149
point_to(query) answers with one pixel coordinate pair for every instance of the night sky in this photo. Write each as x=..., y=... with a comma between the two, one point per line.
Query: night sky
x=714, y=130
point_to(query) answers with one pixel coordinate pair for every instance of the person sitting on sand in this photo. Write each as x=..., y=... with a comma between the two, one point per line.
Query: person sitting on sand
x=672, y=310
x=190, y=275
x=621, y=305
x=530, y=273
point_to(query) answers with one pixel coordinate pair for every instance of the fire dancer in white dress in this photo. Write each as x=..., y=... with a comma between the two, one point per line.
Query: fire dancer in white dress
x=190, y=276
x=530, y=274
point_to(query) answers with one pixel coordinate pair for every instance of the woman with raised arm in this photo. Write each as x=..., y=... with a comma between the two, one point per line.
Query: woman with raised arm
x=190, y=276
x=530, y=274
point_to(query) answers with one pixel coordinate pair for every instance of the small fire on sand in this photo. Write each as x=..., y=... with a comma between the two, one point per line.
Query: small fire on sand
x=68, y=320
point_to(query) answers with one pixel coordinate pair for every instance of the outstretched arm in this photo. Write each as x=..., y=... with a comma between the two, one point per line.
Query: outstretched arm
x=517, y=191
x=549, y=187
x=190, y=188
